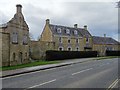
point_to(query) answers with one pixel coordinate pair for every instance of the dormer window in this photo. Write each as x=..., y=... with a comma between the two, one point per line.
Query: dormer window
x=58, y=30
x=14, y=37
x=67, y=31
x=75, y=32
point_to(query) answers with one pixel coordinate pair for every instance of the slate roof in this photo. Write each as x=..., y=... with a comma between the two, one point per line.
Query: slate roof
x=104, y=40
x=3, y=25
x=81, y=31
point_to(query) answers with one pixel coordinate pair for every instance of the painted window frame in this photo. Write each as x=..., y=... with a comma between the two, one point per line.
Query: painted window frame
x=62, y=48
x=75, y=32
x=67, y=31
x=59, y=30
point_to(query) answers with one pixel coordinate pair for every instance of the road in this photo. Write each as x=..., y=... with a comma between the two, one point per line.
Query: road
x=91, y=74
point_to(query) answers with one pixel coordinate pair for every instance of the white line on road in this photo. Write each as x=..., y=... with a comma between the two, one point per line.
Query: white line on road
x=82, y=71
x=113, y=84
x=41, y=84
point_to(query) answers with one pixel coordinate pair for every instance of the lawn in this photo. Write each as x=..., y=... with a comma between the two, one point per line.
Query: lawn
x=37, y=63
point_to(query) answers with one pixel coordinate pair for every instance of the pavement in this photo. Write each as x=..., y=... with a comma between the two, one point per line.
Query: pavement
x=92, y=74
x=42, y=67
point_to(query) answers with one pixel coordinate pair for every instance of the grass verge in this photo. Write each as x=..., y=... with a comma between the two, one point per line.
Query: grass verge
x=37, y=63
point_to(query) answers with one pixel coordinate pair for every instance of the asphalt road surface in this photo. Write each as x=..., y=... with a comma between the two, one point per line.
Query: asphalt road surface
x=91, y=74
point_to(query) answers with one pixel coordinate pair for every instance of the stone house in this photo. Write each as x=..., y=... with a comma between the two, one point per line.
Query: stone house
x=67, y=38
x=57, y=37
x=101, y=44
x=14, y=40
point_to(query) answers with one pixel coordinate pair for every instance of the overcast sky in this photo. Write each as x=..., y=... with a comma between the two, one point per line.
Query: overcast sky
x=101, y=16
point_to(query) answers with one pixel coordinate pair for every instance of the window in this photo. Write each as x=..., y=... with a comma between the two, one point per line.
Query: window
x=77, y=40
x=75, y=32
x=60, y=40
x=69, y=48
x=77, y=48
x=25, y=39
x=14, y=37
x=60, y=48
x=87, y=40
x=69, y=41
x=59, y=30
x=67, y=31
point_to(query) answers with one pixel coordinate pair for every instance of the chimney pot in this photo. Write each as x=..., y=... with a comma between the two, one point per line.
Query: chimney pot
x=19, y=8
x=75, y=26
x=85, y=27
x=104, y=35
x=47, y=21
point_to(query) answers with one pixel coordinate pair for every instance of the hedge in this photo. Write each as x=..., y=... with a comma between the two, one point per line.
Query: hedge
x=61, y=55
x=112, y=53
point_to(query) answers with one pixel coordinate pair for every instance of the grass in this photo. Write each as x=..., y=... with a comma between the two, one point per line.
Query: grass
x=106, y=57
x=37, y=63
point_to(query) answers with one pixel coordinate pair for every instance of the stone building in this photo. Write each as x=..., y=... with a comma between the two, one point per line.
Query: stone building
x=67, y=38
x=57, y=37
x=101, y=44
x=14, y=40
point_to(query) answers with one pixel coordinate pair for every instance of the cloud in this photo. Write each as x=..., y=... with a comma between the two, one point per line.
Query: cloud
x=101, y=17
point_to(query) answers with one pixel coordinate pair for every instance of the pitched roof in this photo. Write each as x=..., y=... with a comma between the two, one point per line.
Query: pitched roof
x=80, y=31
x=104, y=40
x=3, y=25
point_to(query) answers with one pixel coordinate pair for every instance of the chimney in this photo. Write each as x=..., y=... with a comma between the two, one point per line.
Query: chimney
x=47, y=21
x=75, y=26
x=19, y=8
x=85, y=27
x=104, y=35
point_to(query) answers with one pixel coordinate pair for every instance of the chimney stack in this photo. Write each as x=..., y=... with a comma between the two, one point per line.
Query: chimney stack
x=85, y=27
x=47, y=21
x=75, y=26
x=104, y=35
x=19, y=8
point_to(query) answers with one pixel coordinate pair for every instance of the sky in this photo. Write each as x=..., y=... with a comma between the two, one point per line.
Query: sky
x=101, y=16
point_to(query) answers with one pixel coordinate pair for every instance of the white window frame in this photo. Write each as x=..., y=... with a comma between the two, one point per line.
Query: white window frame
x=60, y=47
x=70, y=48
x=75, y=32
x=67, y=31
x=58, y=30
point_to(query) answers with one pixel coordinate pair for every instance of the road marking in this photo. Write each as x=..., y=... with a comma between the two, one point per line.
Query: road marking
x=41, y=84
x=113, y=84
x=82, y=71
